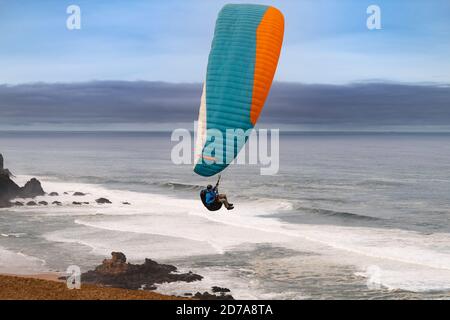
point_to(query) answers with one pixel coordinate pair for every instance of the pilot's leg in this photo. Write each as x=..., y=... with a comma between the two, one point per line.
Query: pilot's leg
x=223, y=199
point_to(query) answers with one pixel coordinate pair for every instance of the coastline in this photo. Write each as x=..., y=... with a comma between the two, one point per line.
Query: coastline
x=46, y=286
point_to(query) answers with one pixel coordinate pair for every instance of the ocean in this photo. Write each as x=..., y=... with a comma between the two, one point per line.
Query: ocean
x=348, y=216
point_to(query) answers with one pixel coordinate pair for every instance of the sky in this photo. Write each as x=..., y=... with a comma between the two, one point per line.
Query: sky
x=326, y=41
x=139, y=64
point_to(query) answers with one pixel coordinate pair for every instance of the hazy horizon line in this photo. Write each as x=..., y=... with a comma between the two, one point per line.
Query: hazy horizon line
x=355, y=82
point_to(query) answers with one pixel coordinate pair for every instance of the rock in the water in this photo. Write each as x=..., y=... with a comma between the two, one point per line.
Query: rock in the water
x=117, y=264
x=127, y=203
x=8, y=190
x=57, y=203
x=43, y=203
x=208, y=296
x=117, y=272
x=4, y=171
x=53, y=194
x=32, y=189
x=66, y=193
x=31, y=203
x=77, y=203
x=85, y=202
x=216, y=289
x=18, y=203
x=4, y=203
x=79, y=194
x=102, y=201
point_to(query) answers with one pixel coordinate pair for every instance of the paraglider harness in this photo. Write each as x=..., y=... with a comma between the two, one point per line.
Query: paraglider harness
x=216, y=205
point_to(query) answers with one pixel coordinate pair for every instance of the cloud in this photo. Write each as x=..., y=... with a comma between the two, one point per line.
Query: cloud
x=98, y=102
x=110, y=102
x=361, y=104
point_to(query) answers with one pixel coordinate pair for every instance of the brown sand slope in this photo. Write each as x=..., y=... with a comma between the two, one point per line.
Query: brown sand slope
x=25, y=288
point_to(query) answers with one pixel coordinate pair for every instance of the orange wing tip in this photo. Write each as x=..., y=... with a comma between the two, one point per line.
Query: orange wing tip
x=269, y=39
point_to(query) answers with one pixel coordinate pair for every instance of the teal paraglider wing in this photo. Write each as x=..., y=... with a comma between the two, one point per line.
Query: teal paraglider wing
x=241, y=66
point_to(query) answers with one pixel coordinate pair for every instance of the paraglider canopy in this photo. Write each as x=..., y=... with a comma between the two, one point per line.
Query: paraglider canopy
x=241, y=66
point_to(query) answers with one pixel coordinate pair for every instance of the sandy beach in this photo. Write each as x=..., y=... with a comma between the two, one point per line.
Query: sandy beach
x=47, y=287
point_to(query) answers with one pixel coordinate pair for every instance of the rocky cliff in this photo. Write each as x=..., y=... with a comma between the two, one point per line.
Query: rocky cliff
x=10, y=190
x=117, y=272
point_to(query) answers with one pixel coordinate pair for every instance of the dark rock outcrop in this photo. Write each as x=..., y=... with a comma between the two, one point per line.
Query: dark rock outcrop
x=126, y=203
x=216, y=289
x=4, y=171
x=208, y=296
x=43, y=203
x=102, y=201
x=18, y=204
x=77, y=203
x=53, y=194
x=4, y=203
x=79, y=194
x=32, y=189
x=10, y=190
x=58, y=203
x=31, y=203
x=117, y=272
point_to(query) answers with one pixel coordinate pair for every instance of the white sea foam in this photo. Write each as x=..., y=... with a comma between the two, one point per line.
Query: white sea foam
x=408, y=260
x=136, y=246
x=222, y=277
x=13, y=235
x=156, y=214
